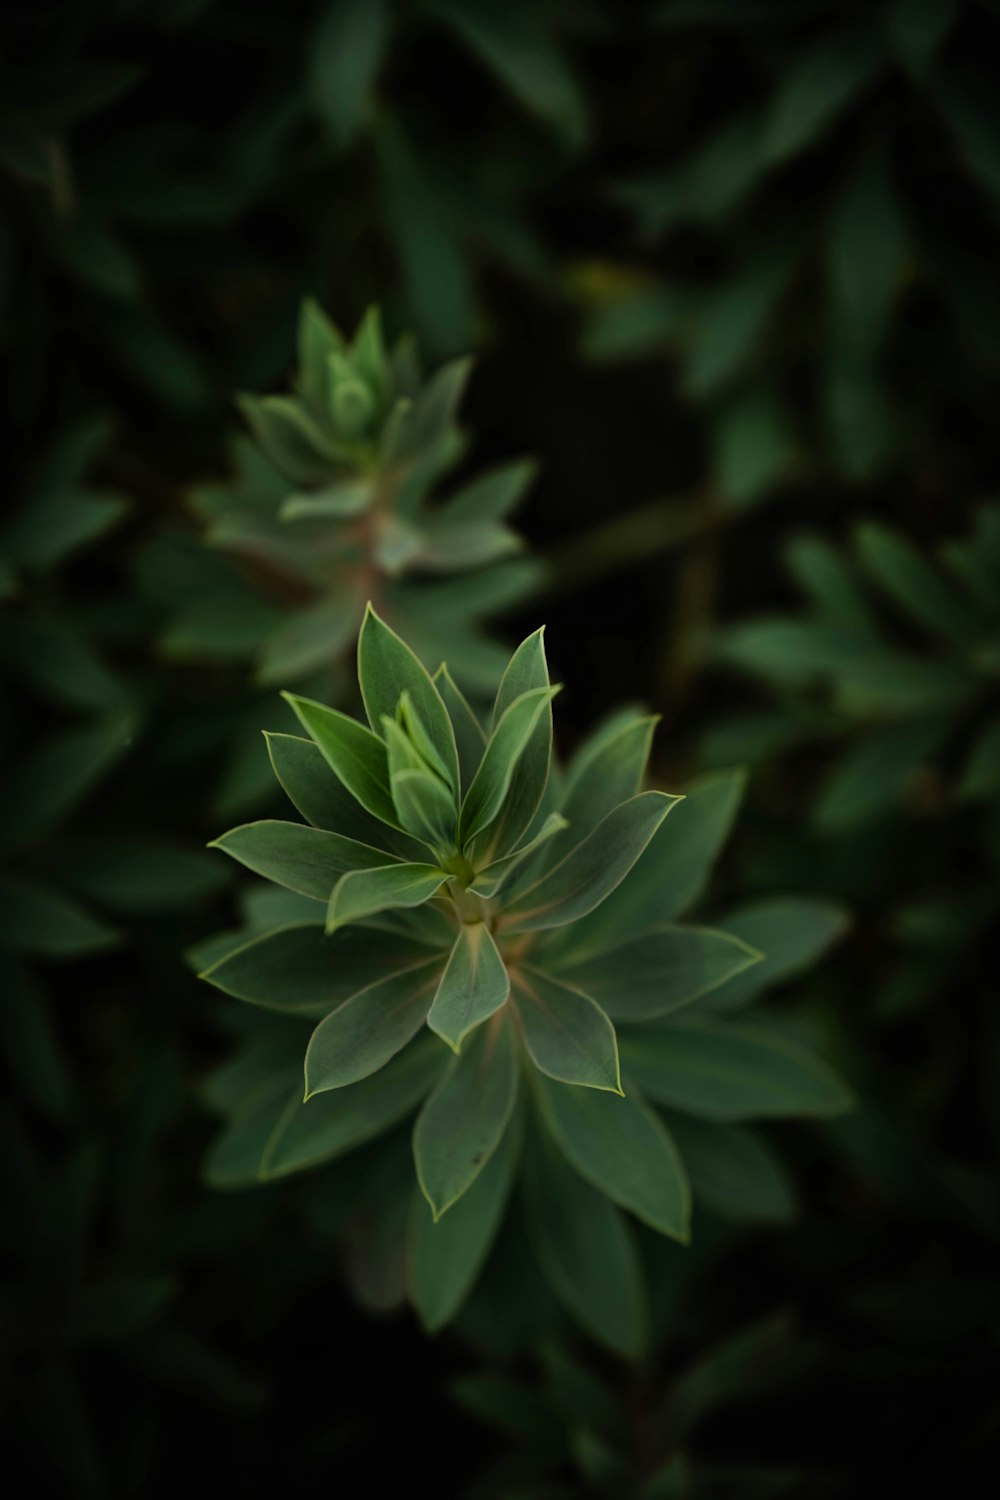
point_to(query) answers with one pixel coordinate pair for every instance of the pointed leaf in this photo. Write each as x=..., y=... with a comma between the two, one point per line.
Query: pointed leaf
x=622, y=1148
x=606, y=771
x=792, y=933
x=733, y=1172
x=323, y=799
x=300, y=969
x=469, y=736
x=330, y=1125
x=359, y=1037
x=652, y=975
x=361, y=893
x=463, y=1121
x=567, y=1035
x=526, y=670
x=473, y=986
x=386, y=668
x=490, y=880
x=444, y=1258
x=354, y=753
x=732, y=1072
x=590, y=872
x=426, y=808
x=510, y=739
x=307, y=860
x=585, y=1250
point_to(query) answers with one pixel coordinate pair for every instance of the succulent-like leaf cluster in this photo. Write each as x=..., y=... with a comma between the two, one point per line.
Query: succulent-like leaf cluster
x=452, y=882
x=333, y=503
x=897, y=655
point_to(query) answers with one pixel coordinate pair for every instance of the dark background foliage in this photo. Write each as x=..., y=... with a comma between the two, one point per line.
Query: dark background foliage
x=711, y=348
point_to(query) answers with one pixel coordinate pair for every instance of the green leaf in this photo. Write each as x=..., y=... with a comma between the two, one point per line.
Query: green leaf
x=674, y=871
x=819, y=86
x=234, y=1158
x=310, y=640
x=144, y=877
x=426, y=808
x=525, y=62
x=753, y=449
x=732, y=320
x=307, y=860
x=354, y=754
x=48, y=529
x=345, y=57
x=590, y=872
x=463, y=1121
x=317, y=339
x=980, y=778
x=299, y=969
x=361, y=1035
x=361, y=893
x=484, y=801
x=290, y=438
x=526, y=671
x=736, y=1071
x=866, y=248
x=819, y=570
x=490, y=880
x=606, y=771
x=916, y=29
x=329, y=1126
x=622, y=1148
x=444, y=1257
x=918, y=590
x=38, y=920
x=57, y=774
x=469, y=737
x=567, y=1035
x=491, y=496
x=875, y=773
x=323, y=799
x=733, y=1172
x=386, y=669
x=660, y=971
x=473, y=986
x=585, y=1250
x=792, y=933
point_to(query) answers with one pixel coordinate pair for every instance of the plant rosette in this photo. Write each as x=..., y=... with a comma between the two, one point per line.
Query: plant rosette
x=469, y=932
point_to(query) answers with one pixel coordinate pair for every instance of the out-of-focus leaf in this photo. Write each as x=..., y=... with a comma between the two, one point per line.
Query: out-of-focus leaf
x=345, y=56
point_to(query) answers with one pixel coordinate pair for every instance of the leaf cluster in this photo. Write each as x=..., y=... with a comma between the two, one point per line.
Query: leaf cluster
x=498, y=945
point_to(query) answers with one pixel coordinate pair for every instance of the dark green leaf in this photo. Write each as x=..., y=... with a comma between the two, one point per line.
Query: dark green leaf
x=354, y=753
x=359, y=1037
x=300, y=969
x=386, y=669
x=463, y=1121
x=590, y=872
x=732, y=1072
x=660, y=971
x=585, y=1250
x=567, y=1035
x=308, y=860
x=622, y=1148
x=444, y=1258
x=473, y=986
x=362, y=893
x=329, y=1125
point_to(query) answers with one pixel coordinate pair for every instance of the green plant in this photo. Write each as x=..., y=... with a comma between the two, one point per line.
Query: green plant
x=333, y=504
x=572, y=1430
x=450, y=881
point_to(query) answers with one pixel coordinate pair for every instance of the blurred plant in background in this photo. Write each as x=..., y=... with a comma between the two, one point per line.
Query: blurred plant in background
x=730, y=267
